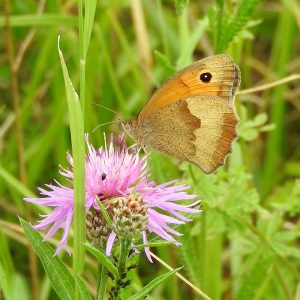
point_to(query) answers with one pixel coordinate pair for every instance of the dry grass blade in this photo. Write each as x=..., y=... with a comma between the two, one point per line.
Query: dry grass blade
x=270, y=85
x=196, y=289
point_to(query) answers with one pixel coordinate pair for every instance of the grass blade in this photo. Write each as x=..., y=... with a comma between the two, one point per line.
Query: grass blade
x=90, y=9
x=77, y=137
x=61, y=279
x=152, y=284
x=6, y=269
x=42, y=20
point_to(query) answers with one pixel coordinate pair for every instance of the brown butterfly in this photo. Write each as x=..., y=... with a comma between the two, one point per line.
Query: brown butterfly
x=192, y=115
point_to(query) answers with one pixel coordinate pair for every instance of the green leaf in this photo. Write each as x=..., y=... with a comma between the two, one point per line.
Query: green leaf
x=268, y=127
x=84, y=293
x=226, y=195
x=249, y=134
x=103, y=259
x=260, y=119
x=230, y=26
x=152, y=284
x=286, y=198
x=61, y=279
x=165, y=63
x=254, y=279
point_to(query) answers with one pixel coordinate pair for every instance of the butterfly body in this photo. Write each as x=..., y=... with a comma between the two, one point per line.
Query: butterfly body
x=192, y=116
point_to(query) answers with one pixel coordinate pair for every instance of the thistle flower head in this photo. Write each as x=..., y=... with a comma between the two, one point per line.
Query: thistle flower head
x=119, y=178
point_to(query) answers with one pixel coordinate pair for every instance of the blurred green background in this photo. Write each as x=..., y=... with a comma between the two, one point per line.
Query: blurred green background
x=245, y=244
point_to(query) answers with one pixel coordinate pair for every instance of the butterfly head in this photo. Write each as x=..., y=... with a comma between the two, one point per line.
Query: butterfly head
x=135, y=131
x=132, y=129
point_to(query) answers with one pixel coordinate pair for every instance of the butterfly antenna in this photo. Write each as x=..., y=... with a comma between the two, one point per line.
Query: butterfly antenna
x=103, y=124
x=109, y=109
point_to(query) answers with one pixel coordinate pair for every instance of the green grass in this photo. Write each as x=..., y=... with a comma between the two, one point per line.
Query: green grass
x=245, y=244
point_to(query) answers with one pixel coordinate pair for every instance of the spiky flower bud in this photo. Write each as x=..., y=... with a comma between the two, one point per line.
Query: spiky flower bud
x=129, y=217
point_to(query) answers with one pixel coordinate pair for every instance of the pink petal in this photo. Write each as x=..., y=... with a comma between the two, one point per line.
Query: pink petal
x=110, y=243
x=147, y=249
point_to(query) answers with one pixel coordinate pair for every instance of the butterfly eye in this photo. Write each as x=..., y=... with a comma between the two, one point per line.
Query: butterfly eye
x=205, y=77
x=103, y=176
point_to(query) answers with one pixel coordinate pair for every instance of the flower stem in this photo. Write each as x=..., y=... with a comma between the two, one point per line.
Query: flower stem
x=101, y=282
x=123, y=255
x=120, y=281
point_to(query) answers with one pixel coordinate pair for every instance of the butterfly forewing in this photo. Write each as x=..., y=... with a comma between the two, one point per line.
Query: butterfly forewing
x=187, y=82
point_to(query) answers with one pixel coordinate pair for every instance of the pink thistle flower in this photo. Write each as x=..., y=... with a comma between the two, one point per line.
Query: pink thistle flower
x=111, y=173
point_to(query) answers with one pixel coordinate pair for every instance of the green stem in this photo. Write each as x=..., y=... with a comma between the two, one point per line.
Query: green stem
x=282, y=280
x=213, y=267
x=202, y=254
x=80, y=25
x=219, y=27
x=261, y=290
x=125, y=244
x=82, y=85
x=276, y=143
x=101, y=282
x=163, y=31
x=118, y=288
x=184, y=33
x=235, y=264
x=81, y=55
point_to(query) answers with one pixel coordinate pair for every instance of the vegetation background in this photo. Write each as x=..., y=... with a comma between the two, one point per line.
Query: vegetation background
x=245, y=244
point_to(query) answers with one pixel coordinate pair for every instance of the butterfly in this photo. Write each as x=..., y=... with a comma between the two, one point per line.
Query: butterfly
x=192, y=115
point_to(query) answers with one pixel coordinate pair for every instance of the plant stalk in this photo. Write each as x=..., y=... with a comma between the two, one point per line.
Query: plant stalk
x=101, y=282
